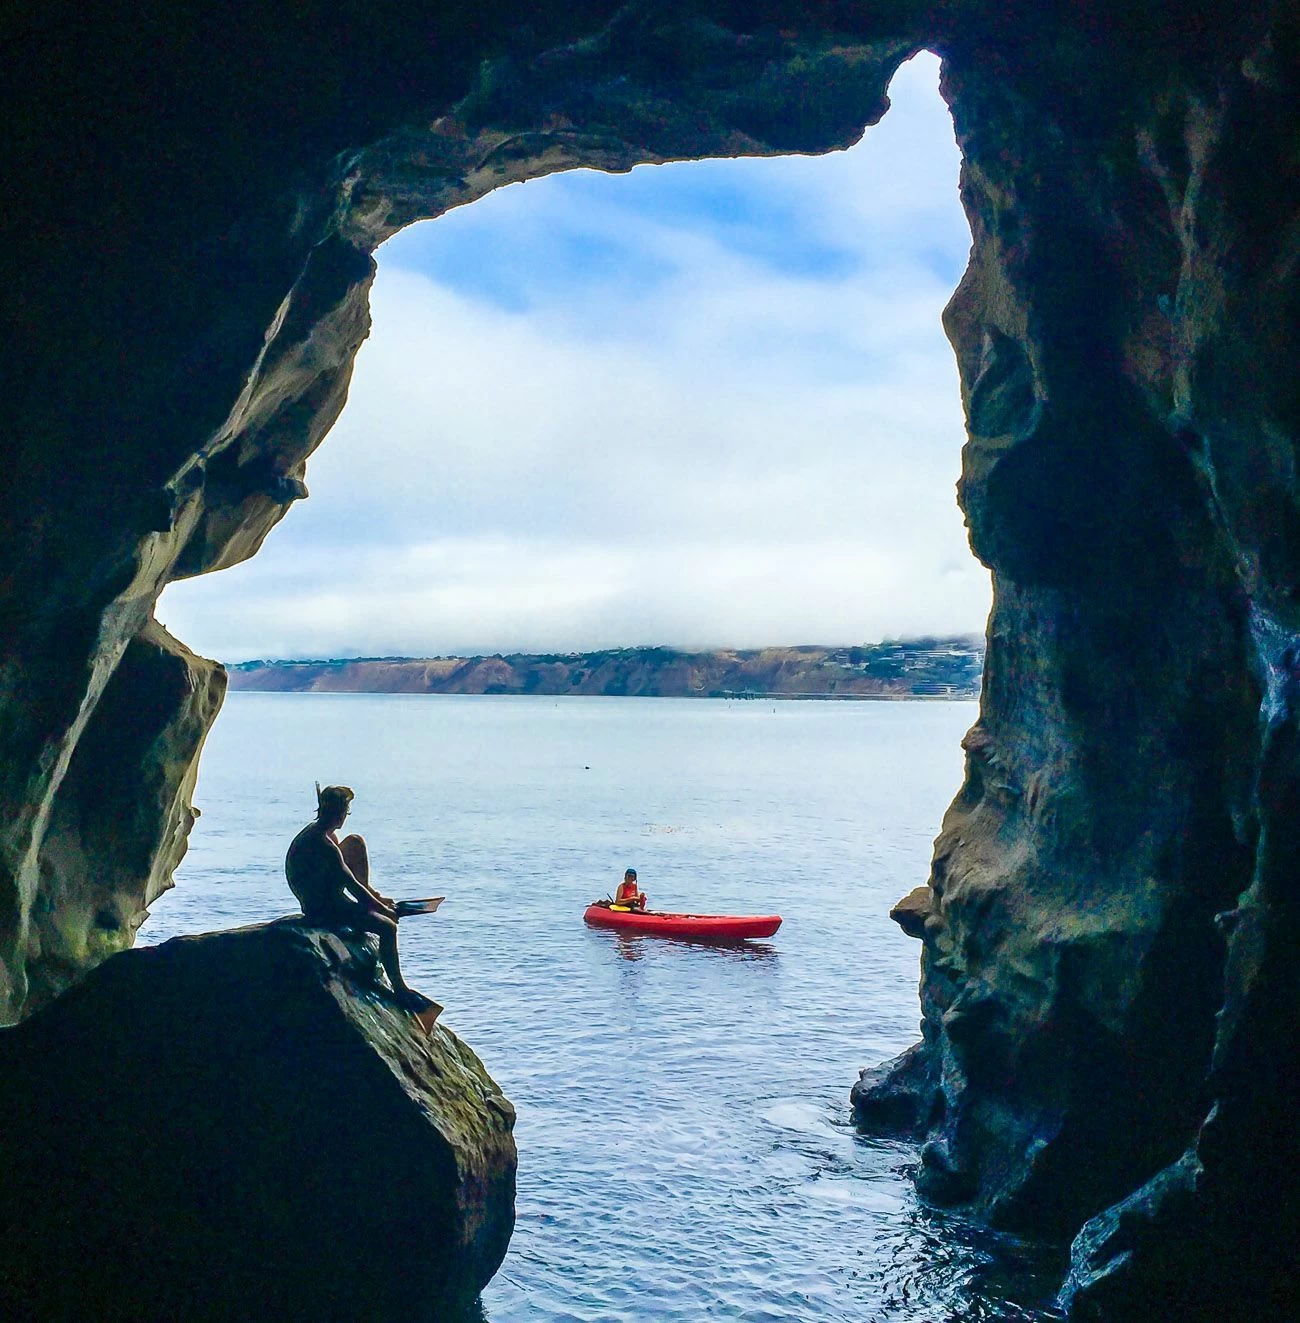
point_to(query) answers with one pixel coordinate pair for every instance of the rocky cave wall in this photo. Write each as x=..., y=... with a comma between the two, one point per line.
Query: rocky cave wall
x=1109, y=953
x=1125, y=333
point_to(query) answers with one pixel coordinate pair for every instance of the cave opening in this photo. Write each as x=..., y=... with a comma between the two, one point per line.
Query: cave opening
x=727, y=405
x=703, y=404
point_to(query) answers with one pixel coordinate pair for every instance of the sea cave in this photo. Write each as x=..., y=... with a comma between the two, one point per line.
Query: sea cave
x=1109, y=963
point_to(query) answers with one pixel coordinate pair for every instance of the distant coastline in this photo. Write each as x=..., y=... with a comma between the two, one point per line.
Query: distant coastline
x=909, y=668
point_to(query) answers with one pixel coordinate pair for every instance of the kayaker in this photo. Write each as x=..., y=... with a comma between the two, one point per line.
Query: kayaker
x=627, y=893
x=325, y=874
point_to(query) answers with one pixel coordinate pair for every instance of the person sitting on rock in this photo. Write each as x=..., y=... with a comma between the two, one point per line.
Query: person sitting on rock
x=627, y=893
x=326, y=874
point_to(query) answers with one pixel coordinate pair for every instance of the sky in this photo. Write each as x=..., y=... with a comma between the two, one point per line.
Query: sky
x=707, y=404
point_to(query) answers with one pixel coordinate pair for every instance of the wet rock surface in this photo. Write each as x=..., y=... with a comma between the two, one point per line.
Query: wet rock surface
x=244, y=1125
x=899, y=1096
x=185, y=287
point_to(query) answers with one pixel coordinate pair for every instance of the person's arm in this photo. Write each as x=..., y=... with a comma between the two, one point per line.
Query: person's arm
x=368, y=897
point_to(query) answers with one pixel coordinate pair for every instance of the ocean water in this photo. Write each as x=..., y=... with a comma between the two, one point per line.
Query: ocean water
x=685, y=1143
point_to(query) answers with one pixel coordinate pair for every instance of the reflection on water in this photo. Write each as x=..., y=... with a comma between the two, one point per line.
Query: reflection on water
x=685, y=1147
x=630, y=946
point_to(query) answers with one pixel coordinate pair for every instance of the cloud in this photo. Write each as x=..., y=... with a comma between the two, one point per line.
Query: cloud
x=707, y=403
x=493, y=595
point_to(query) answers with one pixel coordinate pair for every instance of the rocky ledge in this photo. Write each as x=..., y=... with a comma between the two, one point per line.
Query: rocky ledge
x=244, y=1125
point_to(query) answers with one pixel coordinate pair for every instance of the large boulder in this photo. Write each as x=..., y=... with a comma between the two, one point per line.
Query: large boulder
x=245, y=1125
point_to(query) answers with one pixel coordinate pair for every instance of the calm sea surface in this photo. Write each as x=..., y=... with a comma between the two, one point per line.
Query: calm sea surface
x=685, y=1148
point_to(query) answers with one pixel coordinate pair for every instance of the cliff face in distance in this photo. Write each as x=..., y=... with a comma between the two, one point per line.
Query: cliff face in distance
x=919, y=668
x=1111, y=927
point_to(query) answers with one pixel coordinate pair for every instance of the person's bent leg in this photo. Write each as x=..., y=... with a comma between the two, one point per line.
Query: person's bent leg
x=356, y=856
x=386, y=930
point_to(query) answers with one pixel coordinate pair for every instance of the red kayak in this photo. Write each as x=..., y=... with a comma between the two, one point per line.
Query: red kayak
x=718, y=927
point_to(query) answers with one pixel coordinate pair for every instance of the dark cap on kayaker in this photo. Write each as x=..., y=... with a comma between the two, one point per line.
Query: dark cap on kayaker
x=631, y=873
x=333, y=801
